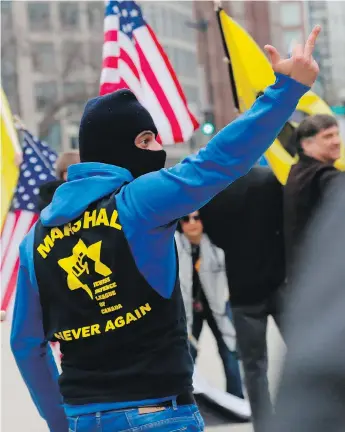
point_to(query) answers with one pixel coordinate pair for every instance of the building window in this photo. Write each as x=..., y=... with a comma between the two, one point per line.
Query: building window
x=6, y=10
x=95, y=12
x=176, y=61
x=192, y=94
x=317, y=5
x=237, y=8
x=95, y=56
x=290, y=36
x=74, y=89
x=192, y=64
x=39, y=16
x=184, y=62
x=75, y=95
x=45, y=94
x=69, y=15
x=73, y=58
x=168, y=27
x=181, y=29
x=145, y=9
x=150, y=15
x=43, y=58
x=158, y=12
x=290, y=14
x=53, y=137
x=187, y=5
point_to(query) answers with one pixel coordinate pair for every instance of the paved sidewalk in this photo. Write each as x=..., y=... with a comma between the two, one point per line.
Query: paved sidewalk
x=19, y=414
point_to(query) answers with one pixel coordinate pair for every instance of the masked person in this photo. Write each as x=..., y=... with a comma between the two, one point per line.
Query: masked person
x=205, y=293
x=98, y=271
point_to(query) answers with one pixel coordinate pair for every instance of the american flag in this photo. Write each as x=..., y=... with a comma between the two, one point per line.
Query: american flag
x=133, y=58
x=38, y=167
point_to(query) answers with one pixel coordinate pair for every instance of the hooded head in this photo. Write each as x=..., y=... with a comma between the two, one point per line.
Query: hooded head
x=109, y=133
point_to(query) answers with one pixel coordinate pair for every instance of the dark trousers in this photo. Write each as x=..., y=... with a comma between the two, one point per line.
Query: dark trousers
x=251, y=324
x=229, y=358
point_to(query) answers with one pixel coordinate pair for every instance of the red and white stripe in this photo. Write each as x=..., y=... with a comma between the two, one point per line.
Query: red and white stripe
x=16, y=226
x=144, y=68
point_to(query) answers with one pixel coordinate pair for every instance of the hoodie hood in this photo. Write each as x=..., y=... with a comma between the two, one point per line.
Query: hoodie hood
x=86, y=183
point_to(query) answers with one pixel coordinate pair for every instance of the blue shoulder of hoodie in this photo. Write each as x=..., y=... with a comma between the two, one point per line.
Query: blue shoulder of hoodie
x=34, y=358
x=148, y=205
x=162, y=196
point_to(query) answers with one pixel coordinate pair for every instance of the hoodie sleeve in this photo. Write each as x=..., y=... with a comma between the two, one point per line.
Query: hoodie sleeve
x=33, y=356
x=160, y=197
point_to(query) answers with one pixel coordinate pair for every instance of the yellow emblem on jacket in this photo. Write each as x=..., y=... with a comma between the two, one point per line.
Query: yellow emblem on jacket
x=79, y=263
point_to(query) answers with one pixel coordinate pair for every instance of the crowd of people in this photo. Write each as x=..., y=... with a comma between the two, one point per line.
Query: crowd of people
x=128, y=260
x=261, y=226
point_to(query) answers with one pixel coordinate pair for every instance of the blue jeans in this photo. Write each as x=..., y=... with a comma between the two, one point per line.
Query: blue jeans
x=170, y=419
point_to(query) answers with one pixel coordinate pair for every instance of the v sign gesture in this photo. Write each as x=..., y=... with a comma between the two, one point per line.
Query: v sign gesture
x=300, y=66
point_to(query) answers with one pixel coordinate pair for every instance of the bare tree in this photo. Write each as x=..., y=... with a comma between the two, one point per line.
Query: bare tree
x=9, y=74
x=78, y=92
x=73, y=60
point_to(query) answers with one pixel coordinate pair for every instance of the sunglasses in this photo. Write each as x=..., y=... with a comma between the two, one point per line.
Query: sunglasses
x=188, y=218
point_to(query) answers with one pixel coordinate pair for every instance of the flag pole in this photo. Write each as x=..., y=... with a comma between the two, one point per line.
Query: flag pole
x=218, y=10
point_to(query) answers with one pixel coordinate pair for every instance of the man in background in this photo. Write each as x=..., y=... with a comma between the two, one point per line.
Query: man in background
x=205, y=294
x=318, y=146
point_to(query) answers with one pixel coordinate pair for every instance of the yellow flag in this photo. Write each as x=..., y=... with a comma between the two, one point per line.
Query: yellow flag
x=252, y=74
x=9, y=149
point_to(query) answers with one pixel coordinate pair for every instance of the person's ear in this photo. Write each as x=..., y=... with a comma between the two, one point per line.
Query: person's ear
x=306, y=143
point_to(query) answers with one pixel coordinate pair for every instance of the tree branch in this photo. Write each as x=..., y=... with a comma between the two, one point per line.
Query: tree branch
x=73, y=59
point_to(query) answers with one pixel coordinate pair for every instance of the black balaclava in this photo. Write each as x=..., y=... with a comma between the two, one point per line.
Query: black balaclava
x=108, y=128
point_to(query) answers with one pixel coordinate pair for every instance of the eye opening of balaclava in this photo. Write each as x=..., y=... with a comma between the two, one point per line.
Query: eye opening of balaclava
x=108, y=129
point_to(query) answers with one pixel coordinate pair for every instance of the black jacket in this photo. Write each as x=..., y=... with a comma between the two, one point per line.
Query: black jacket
x=246, y=220
x=46, y=193
x=120, y=340
x=303, y=193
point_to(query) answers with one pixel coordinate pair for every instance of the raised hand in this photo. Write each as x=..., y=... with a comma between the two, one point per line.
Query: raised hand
x=300, y=66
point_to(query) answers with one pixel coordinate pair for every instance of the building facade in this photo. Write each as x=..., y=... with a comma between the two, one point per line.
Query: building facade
x=52, y=53
x=172, y=22
x=287, y=24
x=51, y=56
x=57, y=64
x=268, y=22
x=330, y=48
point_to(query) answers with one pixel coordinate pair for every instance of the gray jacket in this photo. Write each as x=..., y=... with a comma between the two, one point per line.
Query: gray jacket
x=213, y=281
